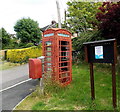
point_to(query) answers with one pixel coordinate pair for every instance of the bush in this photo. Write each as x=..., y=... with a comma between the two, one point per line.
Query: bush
x=13, y=44
x=22, y=55
x=22, y=45
x=29, y=45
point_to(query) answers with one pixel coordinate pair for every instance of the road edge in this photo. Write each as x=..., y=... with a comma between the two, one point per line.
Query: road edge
x=21, y=101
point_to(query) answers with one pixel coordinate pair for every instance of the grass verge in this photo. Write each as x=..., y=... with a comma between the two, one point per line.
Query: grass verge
x=75, y=96
x=6, y=65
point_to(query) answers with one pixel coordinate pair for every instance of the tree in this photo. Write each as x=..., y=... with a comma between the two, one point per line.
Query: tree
x=5, y=37
x=81, y=15
x=27, y=31
x=109, y=18
x=77, y=43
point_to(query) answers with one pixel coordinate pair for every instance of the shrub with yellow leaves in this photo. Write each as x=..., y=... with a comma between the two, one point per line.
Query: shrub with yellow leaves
x=22, y=55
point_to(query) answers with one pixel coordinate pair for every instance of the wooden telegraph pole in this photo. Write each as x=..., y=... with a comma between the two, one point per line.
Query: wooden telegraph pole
x=58, y=11
x=65, y=18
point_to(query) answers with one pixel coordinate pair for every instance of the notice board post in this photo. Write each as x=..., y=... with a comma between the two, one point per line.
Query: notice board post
x=92, y=81
x=104, y=51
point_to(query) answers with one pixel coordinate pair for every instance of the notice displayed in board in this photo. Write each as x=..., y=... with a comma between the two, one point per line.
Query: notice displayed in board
x=98, y=52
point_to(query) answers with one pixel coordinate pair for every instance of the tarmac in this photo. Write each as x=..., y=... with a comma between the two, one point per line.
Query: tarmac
x=12, y=91
x=14, y=75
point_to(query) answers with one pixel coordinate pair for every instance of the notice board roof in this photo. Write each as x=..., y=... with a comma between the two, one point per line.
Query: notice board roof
x=100, y=41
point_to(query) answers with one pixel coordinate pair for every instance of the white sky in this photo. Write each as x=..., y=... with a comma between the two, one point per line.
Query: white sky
x=42, y=11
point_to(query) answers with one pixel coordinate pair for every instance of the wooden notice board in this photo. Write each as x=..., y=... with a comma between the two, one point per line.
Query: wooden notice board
x=103, y=51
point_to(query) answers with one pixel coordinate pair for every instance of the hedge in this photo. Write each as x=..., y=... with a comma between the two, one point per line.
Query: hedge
x=22, y=55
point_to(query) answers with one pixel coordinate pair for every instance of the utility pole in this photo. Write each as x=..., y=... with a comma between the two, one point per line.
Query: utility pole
x=58, y=11
x=65, y=19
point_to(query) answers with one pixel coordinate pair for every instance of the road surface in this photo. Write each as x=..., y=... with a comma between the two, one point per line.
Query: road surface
x=13, y=91
x=14, y=75
x=11, y=97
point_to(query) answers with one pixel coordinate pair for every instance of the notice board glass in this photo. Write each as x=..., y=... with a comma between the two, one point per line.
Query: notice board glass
x=101, y=51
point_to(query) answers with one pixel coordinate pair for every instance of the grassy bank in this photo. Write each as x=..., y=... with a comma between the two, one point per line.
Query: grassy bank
x=77, y=95
x=6, y=65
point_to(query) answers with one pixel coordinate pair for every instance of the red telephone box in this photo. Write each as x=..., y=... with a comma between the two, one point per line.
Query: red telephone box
x=35, y=68
x=57, y=49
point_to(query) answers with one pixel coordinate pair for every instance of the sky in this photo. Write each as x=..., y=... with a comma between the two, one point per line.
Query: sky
x=42, y=11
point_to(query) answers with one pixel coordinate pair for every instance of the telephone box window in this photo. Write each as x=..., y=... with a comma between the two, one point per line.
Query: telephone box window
x=48, y=48
x=48, y=54
x=64, y=42
x=48, y=43
x=48, y=59
x=49, y=69
x=48, y=64
x=64, y=54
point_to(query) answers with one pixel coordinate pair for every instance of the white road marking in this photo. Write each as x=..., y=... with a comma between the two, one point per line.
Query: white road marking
x=21, y=101
x=15, y=85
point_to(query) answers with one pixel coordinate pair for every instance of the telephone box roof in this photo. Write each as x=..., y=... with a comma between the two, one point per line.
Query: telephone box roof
x=57, y=29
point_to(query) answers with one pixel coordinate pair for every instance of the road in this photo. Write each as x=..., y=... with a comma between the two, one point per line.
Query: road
x=14, y=75
x=11, y=97
x=13, y=91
